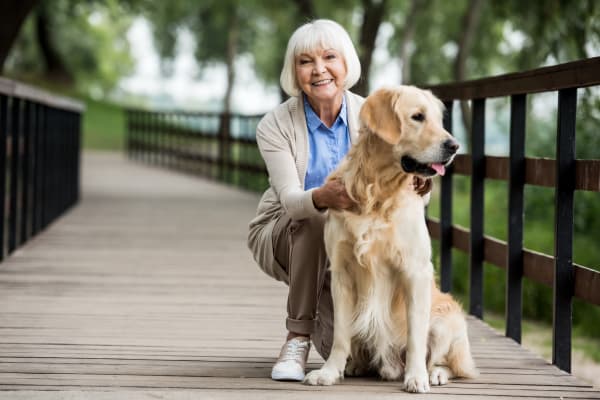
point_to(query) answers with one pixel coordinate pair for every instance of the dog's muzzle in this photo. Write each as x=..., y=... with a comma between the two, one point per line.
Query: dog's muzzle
x=413, y=166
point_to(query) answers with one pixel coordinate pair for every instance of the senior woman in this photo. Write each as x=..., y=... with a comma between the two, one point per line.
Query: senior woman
x=301, y=142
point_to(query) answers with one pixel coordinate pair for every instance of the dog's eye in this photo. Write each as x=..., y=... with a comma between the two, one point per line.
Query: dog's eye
x=418, y=117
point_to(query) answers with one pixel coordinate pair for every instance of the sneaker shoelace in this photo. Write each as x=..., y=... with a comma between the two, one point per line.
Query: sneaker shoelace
x=295, y=351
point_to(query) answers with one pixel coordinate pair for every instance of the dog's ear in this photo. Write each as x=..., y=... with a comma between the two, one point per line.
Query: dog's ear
x=379, y=116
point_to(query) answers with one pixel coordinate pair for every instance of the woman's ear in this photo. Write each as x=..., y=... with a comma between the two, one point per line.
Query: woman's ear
x=379, y=116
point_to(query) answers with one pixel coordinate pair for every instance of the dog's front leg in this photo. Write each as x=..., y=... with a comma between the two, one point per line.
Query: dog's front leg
x=333, y=369
x=418, y=290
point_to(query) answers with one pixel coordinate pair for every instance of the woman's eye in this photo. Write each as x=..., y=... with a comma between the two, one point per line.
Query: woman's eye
x=302, y=62
x=418, y=117
x=330, y=56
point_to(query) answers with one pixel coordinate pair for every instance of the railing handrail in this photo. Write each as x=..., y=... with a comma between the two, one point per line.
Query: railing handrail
x=190, y=113
x=10, y=87
x=582, y=73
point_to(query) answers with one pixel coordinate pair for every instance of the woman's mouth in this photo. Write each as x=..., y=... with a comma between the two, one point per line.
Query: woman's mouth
x=322, y=82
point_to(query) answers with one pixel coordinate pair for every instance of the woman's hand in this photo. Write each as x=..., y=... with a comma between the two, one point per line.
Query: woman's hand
x=422, y=186
x=332, y=195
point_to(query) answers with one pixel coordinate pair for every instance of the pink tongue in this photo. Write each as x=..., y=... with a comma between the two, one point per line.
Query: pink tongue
x=439, y=168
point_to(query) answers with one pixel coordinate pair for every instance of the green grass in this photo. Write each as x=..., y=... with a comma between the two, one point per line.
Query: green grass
x=104, y=126
x=537, y=336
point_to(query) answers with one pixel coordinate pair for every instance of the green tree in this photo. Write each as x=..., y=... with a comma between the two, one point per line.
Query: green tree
x=223, y=29
x=74, y=43
x=13, y=14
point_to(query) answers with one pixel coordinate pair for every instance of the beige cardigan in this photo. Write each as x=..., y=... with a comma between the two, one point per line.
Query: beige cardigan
x=282, y=139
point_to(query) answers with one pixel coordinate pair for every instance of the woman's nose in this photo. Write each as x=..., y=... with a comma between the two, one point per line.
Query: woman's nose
x=319, y=67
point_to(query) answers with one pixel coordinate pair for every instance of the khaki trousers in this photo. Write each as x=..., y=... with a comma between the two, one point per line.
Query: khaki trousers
x=299, y=248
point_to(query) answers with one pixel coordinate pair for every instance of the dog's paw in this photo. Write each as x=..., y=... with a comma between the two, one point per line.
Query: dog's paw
x=323, y=377
x=416, y=383
x=439, y=376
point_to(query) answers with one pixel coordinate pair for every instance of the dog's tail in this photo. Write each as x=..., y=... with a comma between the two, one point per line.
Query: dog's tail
x=460, y=361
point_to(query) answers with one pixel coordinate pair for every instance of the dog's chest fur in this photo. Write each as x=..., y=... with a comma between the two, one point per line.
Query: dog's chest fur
x=380, y=243
x=383, y=251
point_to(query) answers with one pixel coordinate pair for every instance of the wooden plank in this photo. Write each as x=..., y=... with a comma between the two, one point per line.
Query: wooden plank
x=76, y=392
x=195, y=381
x=538, y=171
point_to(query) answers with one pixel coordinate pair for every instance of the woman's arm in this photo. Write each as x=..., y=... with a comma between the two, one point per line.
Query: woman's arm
x=276, y=151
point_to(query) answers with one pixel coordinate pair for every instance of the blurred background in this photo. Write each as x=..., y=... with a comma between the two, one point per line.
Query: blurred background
x=226, y=55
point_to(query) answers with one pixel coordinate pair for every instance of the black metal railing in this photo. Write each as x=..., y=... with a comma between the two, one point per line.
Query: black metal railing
x=212, y=145
x=40, y=155
x=566, y=174
x=208, y=145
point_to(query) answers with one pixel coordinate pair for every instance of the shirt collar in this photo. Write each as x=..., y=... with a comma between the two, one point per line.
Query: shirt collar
x=312, y=119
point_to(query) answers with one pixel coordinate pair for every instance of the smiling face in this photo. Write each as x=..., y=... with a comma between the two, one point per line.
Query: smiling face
x=321, y=75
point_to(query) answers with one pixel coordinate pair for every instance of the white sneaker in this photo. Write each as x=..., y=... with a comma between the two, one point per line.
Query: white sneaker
x=292, y=360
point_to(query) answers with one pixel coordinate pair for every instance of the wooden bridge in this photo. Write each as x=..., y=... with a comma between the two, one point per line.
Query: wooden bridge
x=138, y=284
x=145, y=290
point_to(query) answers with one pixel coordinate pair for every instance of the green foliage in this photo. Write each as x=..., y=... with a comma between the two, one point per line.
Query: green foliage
x=446, y=18
x=564, y=28
x=89, y=36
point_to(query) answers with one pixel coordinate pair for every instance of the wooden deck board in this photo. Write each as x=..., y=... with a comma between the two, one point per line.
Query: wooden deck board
x=146, y=290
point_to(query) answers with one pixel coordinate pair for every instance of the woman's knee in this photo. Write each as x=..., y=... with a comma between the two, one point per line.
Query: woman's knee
x=313, y=226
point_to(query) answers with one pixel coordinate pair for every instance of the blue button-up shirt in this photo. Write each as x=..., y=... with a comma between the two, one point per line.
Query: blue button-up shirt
x=326, y=146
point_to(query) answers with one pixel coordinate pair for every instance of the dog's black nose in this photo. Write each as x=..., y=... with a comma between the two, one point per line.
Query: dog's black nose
x=451, y=145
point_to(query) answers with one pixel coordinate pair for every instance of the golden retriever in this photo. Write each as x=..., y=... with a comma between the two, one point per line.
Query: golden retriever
x=389, y=315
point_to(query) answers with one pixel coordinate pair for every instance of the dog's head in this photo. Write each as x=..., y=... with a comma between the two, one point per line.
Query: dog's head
x=410, y=120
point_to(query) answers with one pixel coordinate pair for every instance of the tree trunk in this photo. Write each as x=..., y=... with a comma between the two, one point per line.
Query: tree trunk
x=56, y=70
x=469, y=23
x=306, y=9
x=306, y=13
x=372, y=18
x=408, y=33
x=232, y=46
x=12, y=16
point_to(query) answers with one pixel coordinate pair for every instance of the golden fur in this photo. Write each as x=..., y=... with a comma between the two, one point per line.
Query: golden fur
x=389, y=315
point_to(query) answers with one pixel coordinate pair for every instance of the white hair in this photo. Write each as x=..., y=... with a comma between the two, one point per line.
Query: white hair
x=324, y=34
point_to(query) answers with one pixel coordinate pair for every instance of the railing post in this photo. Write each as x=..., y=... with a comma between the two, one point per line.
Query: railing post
x=147, y=126
x=137, y=149
x=161, y=139
x=155, y=138
x=223, y=146
x=78, y=134
x=48, y=166
x=15, y=134
x=30, y=117
x=129, y=134
x=178, y=143
x=446, y=216
x=563, y=237
x=514, y=276
x=477, y=208
x=38, y=196
x=3, y=139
